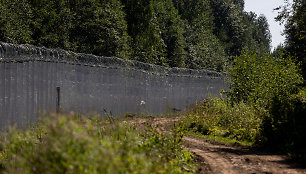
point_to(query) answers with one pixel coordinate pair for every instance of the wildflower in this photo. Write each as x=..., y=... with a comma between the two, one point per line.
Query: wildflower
x=142, y=102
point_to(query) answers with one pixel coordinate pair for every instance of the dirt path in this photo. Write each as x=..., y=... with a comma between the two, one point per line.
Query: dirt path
x=216, y=158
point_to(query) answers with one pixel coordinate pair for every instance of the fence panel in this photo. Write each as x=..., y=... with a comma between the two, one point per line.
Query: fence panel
x=29, y=76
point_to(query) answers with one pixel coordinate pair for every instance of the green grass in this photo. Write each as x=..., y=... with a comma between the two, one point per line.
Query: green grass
x=219, y=139
x=217, y=117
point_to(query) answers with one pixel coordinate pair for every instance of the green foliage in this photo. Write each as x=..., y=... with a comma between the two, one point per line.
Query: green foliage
x=52, y=21
x=228, y=25
x=285, y=128
x=204, y=50
x=265, y=105
x=15, y=19
x=100, y=28
x=83, y=26
x=278, y=51
x=294, y=17
x=90, y=26
x=257, y=35
x=272, y=86
x=143, y=27
x=238, y=30
x=177, y=33
x=172, y=31
x=72, y=144
x=218, y=117
x=259, y=79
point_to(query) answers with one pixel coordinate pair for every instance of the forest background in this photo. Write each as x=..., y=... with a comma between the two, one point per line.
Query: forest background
x=204, y=34
x=266, y=100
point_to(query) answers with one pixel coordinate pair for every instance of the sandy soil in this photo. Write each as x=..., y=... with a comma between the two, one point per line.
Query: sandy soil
x=217, y=158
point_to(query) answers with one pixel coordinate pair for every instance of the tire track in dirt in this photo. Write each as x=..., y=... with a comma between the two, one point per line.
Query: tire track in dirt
x=215, y=163
x=225, y=159
x=216, y=158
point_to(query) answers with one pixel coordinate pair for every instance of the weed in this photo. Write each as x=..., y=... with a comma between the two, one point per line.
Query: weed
x=73, y=144
x=218, y=117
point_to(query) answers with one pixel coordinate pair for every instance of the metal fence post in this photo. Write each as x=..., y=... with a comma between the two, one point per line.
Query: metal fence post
x=58, y=99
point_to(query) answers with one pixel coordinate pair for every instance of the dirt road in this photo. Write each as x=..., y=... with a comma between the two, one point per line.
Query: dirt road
x=215, y=158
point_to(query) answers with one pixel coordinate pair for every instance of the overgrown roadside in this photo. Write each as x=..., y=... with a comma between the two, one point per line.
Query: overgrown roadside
x=214, y=157
x=63, y=143
x=75, y=145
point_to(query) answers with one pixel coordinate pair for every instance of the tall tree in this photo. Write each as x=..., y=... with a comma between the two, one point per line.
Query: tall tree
x=89, y=26
x=177, y=33
x=264, y=36
x=238, y=29
x=99, y=27
x=203, y=49
x=148, y=45
x=257, y=35
x=294, y=17
x=15, y=20
x=171, y=27
x=52, y=24
x=228, y=25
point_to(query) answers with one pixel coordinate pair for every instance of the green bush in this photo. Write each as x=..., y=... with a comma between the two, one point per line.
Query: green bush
x=219, y=117
x=285, y=129
x=76, y=145
x=272, y=85
x=265, y=104
x=259, y=79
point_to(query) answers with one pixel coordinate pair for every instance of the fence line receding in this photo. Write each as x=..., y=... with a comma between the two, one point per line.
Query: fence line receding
x=29, y=77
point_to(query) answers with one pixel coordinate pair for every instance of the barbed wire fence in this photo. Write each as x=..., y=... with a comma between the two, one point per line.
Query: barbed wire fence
x=36, y=80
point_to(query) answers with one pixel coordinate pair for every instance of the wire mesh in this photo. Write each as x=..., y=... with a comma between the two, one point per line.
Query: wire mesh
x=29, y=76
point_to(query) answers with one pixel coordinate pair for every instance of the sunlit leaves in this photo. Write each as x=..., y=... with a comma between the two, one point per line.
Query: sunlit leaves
x=258, y=79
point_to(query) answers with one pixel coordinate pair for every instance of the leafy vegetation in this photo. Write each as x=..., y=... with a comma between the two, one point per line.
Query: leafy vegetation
x=176, y=33
x=76, y=144
x=217, y=117
x=258, y=79
x=15, y=19
x=294, y=16
x=265, y=105
x=95, y=27
x=272, y=86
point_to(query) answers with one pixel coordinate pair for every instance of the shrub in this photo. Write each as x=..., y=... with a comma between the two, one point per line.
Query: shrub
x=220, y=118
x=264, y=104
x=273, y=86
x=259, y=79
x=77, y=145
x=285, y=129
